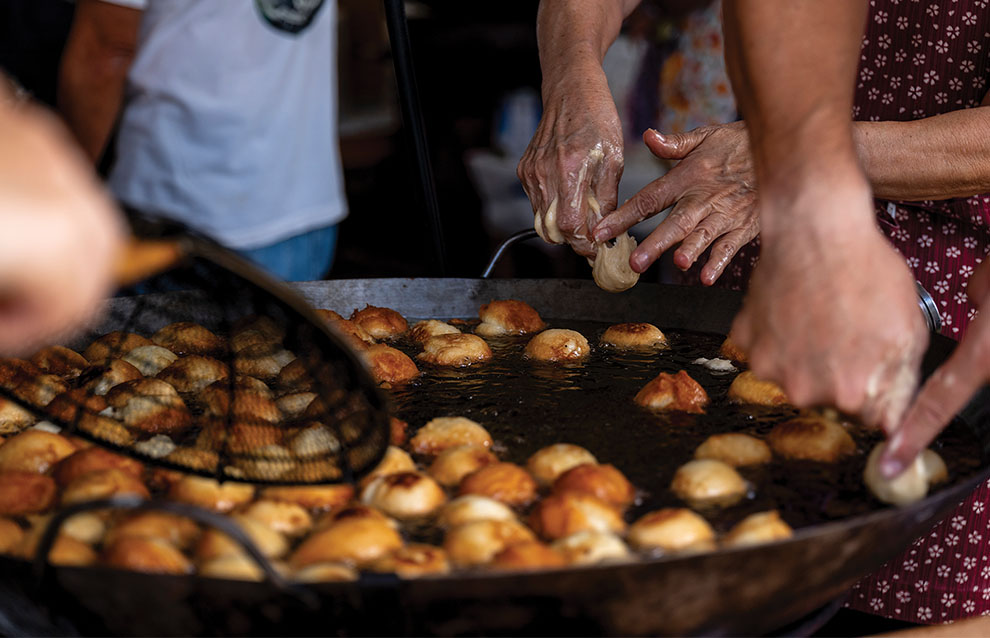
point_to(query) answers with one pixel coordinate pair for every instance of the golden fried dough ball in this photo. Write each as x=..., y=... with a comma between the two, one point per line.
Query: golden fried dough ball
x=106, y=429
x=92, y=459
x=259, y=323
x=325, y=573
x=673, y=530
x=14, y=371
x=150, y=360
x=380, y=323
x=424, y=330
x=219, y=399
x=455, y=350
x=546, y=464
x=477, y=543
x=508, y=317
x=353, y=511
x=505, y=482
x=404, y=495
x=735, y=449
x=60, y=361
x=532, y=555
x=40, y=390
x=11, y=535
x=811, y=438
x=23, y=493
x=102, y=379
x=176, y=530
x=634, y=336
x=446, y=432
x=453, y=464
x=389, y=365
x=353, y=540
x=286, y=518
x=146, y=554
x=34, y=451
x=730, y=350
x=566, y=513
x=248, y=338
x=86, y=527
x=213, y=543
x=314, y=441
x=68, y=405
x=353, y=334
x=747, y=389
x=311, y=497
x=603, y=481
x=294, y=405
x=208, y=493
x=413, y=560
x=66, y=550
x=186, y=337
x=591, y=547
x=193, y=373
x=762, y=527
x=232, y=567
x=673, y=392
x=470, y=508
x=295, y=377
x=708, y=482
x=558, y=346
x=395, y=460
x=14, y=418
x=113, y=345
x=195, y=458
x=103, y=484
x=151, y=406
x=910, y=485
x=262, y=360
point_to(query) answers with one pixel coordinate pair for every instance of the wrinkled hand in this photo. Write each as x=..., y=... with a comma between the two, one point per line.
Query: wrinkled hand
x=59, y=232
x=951, y=386
x=832, y=313
x=713, y=190
x=577, y=150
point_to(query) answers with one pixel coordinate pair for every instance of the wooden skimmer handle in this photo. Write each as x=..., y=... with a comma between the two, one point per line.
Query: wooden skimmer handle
x=141, y=259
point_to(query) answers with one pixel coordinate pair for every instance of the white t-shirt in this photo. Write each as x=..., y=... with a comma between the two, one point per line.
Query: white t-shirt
x=230, y=119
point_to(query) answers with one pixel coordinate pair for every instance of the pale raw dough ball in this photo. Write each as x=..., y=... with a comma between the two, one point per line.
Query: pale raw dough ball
x=404, y=495
x=762, y=527
x=590, y=547
x=611, y=269
x=735, y=449
x=672, y=530
x=910, y=485
x=548, y=463
x=472, y=507
x=708, y=482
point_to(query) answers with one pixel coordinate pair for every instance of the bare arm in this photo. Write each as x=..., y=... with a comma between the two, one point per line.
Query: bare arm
x=95, y=62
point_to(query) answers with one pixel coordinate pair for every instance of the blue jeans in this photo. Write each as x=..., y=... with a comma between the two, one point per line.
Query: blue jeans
x=304, y=257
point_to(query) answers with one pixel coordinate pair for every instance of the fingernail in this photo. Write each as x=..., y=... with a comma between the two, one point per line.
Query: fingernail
x=657, y=134
x=891, y=467
x=638, y=262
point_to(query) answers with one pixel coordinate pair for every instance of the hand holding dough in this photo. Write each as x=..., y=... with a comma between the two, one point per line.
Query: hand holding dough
x=910, y=485
x=611, y=268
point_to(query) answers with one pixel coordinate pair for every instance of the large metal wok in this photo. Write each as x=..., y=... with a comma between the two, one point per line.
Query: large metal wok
x=728, y=592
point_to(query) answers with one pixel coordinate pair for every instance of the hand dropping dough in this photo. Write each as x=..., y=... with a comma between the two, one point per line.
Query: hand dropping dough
x=910, y=485
x=611, y=268
x=546, y=225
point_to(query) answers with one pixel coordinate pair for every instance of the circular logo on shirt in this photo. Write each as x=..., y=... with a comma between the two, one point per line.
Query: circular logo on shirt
x=291, y=16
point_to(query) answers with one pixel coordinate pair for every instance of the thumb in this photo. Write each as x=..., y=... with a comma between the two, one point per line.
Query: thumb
x=673, y=146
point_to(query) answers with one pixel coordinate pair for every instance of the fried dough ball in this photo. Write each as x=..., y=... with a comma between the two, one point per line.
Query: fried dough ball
x=505, y=482
x=214, y=543
x=66, y=550
x=592, y=547
x=471, y=508
x=730, y=350
x=185, y=337
x=603, y=481
x=263, y=360
x=208, y=493
x=446, y=432
x=353, y=511
x=329, y=315
x=14, y=371
x=747, y=389
x=325, y=573
x=311, y=497
x=146, y=554
x=193, y=373
x=477, y=543
x=735, y=449
x=708, y=482
x=102, y=379
x=150, y=360
x=404, y=495
x=85, y=527
x=356, y=336
x=295, y=377
x=11, y=535
x=635, y=336
x=314, y=441
x=67, y=406
x=353, y=540
x=669, y=392
x=380, y=323
x=424, y=330
x=14, y=418
x=546, y=464
x=558, y=346
x=294, y=405
x=248, y=338
x=60, y=361
x=176, y=530
x=92, y=459
x=672, y=530
x=151, y=406
x=389, y=365
x=286, y=518
x=532, y=555
x=40, y=390
x=34, y=451
x=762, y=527
x=508, y=317
x=453, y=464
x=811, y=438
x=910, y=485
x=106, y=429
x=566, y=513
x=113, y=345
x=249, y=405
x=23, y=493
x=195, y=458
x=395, y=460
x=413, y=560
x=455, y=350
x=259, y=323
x=103, y=484
x=232, y=567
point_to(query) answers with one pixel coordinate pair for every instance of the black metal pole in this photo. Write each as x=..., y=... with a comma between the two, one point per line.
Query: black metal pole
x=412, y=116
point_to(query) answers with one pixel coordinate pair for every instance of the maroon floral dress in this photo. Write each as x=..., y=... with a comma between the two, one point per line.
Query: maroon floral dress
x=921, y=58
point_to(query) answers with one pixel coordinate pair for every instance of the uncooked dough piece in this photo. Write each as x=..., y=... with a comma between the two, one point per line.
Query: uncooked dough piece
x=910, y=485
x=611, y=268
x=548, y=221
